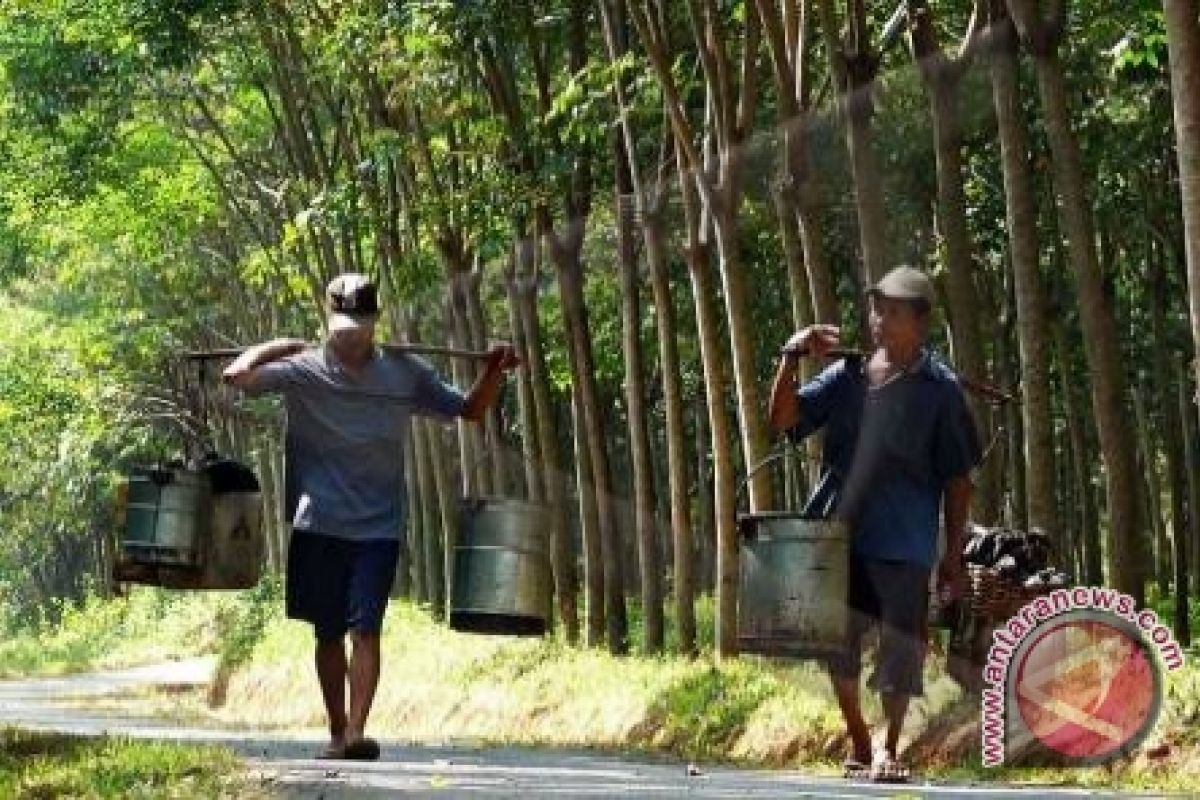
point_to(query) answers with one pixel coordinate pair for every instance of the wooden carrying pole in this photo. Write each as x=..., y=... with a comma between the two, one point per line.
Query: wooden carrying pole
x=391, y=347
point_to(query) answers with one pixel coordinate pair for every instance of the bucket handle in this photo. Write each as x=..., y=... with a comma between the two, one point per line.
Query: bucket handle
x=780, y=450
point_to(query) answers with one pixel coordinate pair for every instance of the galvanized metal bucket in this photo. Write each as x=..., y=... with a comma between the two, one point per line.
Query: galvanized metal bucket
x=792, y=583
x=501, y=580
x=179, y=532
x=166, y=512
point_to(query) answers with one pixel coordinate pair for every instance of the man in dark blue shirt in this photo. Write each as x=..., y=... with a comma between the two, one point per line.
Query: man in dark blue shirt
x=899, y=446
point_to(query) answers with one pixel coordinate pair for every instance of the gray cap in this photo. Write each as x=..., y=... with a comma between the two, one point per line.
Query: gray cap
x=905, y=283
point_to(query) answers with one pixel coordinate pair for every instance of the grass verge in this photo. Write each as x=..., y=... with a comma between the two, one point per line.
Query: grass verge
x=144, y=626
x=440, y=686
x=43, y=765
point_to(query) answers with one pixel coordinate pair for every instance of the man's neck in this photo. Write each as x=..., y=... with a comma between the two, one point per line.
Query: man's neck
x=354, y=361
x=903, y=356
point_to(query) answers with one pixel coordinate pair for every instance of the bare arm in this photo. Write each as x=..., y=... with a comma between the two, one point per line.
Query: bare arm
x=784, y=413
x=487, y=386
x=242, y=372
x=956, y=507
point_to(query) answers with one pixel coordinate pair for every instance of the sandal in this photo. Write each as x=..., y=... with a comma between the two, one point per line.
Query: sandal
x=853, y=768
x=364, y=749
x=333, y=752
x=887, y=769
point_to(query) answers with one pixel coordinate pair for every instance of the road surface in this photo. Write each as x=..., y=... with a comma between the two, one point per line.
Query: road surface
x=284, y=762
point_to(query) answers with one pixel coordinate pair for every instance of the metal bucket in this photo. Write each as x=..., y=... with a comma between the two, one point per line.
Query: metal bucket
x=165, y=517
x=501, y=580
x=185, y=529
x=792, y=593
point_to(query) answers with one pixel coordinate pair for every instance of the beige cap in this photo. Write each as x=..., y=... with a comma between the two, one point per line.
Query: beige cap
x=905, y=283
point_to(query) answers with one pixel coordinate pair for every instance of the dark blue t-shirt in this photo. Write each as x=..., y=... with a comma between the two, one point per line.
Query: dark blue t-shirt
x=888, y=453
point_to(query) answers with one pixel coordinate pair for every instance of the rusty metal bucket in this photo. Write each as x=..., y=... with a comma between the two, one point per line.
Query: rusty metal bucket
x=501, y=580
x=792, y=582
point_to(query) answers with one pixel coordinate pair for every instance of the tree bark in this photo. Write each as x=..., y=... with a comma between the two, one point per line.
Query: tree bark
x=942, y=76
x=553, y=477
x=1183, y=43
x=1033, y=336
x=1101, y=343
x=854, y=65
x=645, y=524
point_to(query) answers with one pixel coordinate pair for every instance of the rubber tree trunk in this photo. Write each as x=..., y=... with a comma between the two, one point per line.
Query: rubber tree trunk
x=855, y=64
x=566, y=257
x=1187, y=412
x=684, y=548
x=416, y=527
x=645, y=524
x=942, y=76
x=1183, y=43
x=786, y=28
x=1151, y=488
x=719, y=425
x=553, y=477
x=1075, y=410
x=1101, y=343
x=1032, y=324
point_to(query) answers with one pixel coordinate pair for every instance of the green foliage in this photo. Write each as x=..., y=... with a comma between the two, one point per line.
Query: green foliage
x=242, y=625
x=146, y=625
x=705, y=710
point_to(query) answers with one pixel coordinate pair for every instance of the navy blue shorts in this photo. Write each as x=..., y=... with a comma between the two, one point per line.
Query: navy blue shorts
x=893, y=595
x=339, y=585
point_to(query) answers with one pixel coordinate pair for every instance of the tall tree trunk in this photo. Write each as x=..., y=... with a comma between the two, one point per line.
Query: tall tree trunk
x=553, y=477
x=1187, y=428
x=733, y=99
x=526, y=406
x=1075, y=411
x=943, y=77
x=575, y=321
x=1183, y=42
x=1033, y=336
x=684, y=549
x=645, y=524
x=416, y=528
x=440, y=463
x=470, y=443
x=1102, y=345
x=1151, y=488
x=491, y=436
x=786, y=31
x=705, y=494
x=720, y=433
x=1008, y=370
x=854, y=65
x=435, y=584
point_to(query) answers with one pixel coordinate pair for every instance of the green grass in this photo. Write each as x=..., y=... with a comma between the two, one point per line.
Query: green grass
x=41, y=765
x=146, y=625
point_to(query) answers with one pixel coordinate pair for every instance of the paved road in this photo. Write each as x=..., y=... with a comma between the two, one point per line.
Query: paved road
x=442, y=772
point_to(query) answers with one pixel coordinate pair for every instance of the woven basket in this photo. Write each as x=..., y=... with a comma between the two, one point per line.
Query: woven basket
x=994, y=597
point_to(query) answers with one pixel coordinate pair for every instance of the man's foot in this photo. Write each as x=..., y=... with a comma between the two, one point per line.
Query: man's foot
x=858, y=765
x=364, y=749
x=888, y=769
x=854, y=768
